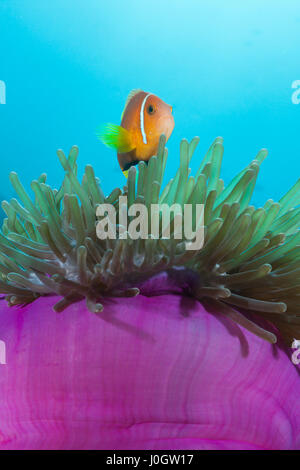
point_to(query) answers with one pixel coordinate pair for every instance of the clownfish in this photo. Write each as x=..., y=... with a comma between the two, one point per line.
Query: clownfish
x=144, y=119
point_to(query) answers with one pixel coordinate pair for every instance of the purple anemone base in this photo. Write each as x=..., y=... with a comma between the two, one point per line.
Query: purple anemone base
x=147, y=373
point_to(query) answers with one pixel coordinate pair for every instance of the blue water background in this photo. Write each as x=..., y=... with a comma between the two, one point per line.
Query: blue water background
x=226, y=67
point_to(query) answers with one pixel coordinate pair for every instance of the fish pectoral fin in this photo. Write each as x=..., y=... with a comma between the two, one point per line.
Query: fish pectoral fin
x=116, y=137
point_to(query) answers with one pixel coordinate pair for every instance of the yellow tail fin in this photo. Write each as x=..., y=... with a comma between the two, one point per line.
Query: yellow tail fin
x=116, y=137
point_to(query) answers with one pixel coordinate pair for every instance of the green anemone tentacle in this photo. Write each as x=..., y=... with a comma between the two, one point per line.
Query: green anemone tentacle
x=250, y=261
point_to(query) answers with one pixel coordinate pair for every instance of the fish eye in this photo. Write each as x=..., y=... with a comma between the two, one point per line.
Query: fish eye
x=150, y=109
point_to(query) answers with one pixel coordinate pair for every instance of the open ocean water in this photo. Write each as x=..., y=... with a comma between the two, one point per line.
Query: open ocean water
x=228, y=68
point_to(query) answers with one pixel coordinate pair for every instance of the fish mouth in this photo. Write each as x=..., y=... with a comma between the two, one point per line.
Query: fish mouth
x=169, y=124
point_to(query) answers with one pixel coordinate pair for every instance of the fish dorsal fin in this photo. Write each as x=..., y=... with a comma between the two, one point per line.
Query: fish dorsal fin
x=129, y=98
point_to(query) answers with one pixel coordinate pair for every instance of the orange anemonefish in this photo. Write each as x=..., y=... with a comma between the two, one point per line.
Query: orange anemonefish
x=144, y=119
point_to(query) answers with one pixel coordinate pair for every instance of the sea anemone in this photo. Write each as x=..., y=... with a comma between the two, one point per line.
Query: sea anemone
x=250, y=258
x=164, y=365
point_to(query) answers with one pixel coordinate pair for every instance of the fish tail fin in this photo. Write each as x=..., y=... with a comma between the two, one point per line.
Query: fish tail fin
x=116, y=137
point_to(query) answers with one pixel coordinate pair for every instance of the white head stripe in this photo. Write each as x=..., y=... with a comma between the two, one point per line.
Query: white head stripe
x=142, y=118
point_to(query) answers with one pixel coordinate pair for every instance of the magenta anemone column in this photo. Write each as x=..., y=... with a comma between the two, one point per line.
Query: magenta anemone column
x=148, y=373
